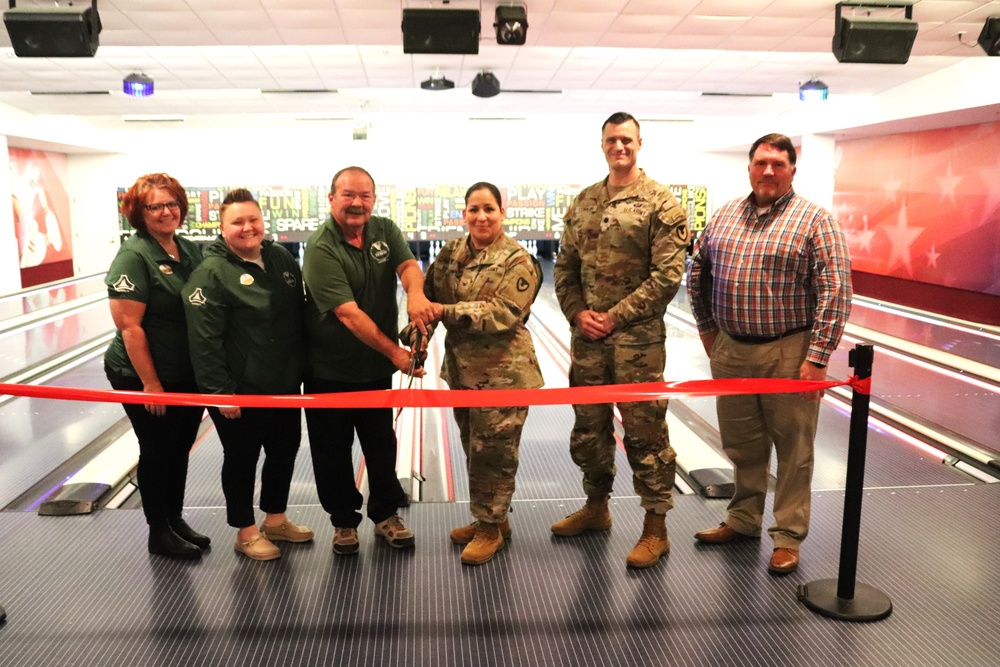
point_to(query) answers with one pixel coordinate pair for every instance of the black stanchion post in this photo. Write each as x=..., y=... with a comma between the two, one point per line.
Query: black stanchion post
x=844, y=598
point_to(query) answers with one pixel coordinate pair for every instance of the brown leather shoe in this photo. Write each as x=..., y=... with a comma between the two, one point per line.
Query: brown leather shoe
x=720, y=535
x=257, y=547
x=784, y=561
x=287, y=531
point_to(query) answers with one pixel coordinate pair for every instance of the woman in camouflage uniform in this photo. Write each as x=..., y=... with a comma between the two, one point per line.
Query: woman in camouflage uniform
x=482, y=286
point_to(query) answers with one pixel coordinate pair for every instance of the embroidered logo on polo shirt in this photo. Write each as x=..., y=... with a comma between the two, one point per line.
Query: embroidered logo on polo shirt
x=197, y=298
x=123, y=284
x=166, y=269
x=380, y=251
x=289, y=278
x=246, y=279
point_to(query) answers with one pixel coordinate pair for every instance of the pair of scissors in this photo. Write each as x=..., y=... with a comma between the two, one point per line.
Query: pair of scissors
x=416, y=357
x=416, y=361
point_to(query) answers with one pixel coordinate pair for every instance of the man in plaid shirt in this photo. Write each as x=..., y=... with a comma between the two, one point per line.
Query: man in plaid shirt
x=770, y=288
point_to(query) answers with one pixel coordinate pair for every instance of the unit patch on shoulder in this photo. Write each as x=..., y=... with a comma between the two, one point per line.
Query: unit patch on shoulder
x=522, y=284
x=289, y=278
x=681, y=231
x=246, y=279
x=197, y=298
x=123, y=284
x=166, y=269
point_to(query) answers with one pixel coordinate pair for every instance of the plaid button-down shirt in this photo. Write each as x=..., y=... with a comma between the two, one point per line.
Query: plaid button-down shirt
x=765, y=274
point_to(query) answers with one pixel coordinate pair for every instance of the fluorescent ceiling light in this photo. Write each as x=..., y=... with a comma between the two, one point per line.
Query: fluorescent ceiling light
x=154, y=118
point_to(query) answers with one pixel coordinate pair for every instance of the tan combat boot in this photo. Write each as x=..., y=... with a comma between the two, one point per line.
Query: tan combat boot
x=465, y=534
x=484, y=545
x=592, y=516
x=653, y=542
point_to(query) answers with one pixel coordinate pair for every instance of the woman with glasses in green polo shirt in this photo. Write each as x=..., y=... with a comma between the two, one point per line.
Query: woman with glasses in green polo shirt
x=150, y=353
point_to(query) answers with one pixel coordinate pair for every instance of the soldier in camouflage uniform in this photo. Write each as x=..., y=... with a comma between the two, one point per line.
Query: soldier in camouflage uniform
x=483, y=285
x=620, y=263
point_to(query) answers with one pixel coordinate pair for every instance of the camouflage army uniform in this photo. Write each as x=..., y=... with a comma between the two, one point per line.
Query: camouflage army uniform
x=623, y=256
x=486, y=296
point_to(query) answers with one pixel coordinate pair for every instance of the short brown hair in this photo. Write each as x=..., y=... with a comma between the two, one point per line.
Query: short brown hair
x=237, y=196
x=618, y=118
x=362, y=170
x=134, y=200
x=779, y=141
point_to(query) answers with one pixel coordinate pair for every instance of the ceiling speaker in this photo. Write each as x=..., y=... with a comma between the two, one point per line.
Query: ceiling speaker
x=53, y=32
x=441, y=31
x=485, y=85
x=871, y=40
x=989, y=38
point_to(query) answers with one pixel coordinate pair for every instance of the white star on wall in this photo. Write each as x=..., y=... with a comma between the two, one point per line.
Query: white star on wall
x=865, y=237
x=932, y=258
x=891, y=186
x=902, y=236
x=948, y=184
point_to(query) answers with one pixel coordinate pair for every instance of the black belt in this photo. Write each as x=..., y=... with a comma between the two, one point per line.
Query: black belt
x=761, y=340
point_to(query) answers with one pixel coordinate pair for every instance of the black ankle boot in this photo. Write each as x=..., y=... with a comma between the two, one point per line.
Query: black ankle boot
x=163, y=541
x=186, y=532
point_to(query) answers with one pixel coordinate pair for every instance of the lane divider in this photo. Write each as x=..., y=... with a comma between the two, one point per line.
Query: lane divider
x=445, y=398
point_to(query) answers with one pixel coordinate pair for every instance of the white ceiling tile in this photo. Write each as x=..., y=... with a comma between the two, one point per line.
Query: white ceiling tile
x=745, y=8
x=598, y=51
x=672, y=8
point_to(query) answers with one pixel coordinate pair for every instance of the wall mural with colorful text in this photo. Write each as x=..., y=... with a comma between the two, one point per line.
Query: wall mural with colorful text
x=431, y=212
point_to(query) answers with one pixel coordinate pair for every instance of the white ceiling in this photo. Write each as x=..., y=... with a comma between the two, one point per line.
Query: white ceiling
x=211, y=59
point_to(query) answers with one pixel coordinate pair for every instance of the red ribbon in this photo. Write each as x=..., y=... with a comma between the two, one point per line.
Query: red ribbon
x=862, y=386
x=445, y=398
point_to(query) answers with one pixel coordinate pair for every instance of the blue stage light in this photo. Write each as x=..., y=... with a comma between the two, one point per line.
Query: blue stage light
x=137, y=85
x=813, y=91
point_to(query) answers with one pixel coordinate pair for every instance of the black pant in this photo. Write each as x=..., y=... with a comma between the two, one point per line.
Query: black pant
x=278, y=431
x=331, y=439
x=164, y=445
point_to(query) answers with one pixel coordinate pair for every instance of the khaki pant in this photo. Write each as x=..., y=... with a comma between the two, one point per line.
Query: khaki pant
x=751, y=424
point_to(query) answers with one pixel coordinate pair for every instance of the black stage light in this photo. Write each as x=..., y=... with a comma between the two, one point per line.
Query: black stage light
x=437, y=83
x=873, y=40
x=511, y=24
x=441, y=31
x=53, y=32
x=485, y=85
x=989, y=38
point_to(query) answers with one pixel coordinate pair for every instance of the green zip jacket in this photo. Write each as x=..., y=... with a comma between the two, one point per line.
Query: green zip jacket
x=245, y=326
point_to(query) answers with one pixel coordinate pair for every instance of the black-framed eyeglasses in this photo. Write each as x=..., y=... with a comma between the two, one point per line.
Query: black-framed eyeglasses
x=156, y=208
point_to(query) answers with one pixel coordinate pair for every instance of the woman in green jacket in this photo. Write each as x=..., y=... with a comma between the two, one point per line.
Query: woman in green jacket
x=244, y=314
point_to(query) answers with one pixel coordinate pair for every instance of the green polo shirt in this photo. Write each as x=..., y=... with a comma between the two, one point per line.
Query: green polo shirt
x=336, y=272
x=143, y=271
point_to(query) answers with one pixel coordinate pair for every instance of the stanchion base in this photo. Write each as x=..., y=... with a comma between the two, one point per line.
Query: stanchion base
x=868, y=604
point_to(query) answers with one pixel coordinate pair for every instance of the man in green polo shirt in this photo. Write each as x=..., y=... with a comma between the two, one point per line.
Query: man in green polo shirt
x=350, y=269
